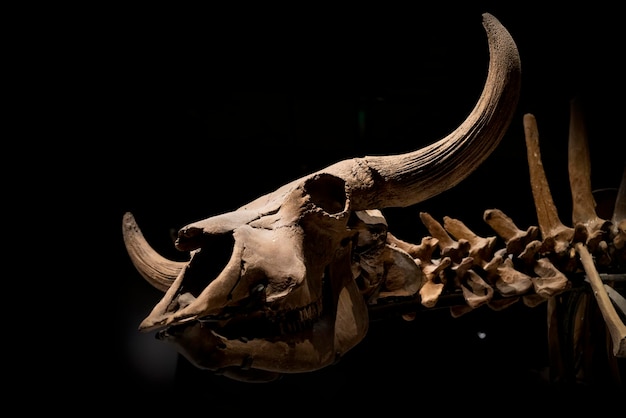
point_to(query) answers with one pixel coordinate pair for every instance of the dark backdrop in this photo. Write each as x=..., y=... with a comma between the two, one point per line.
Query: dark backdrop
x=188, y=120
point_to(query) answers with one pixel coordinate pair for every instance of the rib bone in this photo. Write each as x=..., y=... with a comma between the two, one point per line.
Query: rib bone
x=616, y=327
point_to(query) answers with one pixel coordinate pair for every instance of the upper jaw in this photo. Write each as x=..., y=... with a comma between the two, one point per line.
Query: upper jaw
x=238, y=312
x=252, y=317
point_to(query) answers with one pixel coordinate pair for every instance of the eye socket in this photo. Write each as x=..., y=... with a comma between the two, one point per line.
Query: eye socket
x=327, y=192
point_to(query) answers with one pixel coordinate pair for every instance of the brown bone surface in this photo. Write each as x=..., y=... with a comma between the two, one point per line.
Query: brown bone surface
x=288, y=299
x=313, y=260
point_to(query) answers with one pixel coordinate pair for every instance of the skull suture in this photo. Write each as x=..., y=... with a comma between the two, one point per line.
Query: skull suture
x=287, y=301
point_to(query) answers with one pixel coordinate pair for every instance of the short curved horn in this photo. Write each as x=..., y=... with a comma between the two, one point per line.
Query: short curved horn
x=407, y=179
x=156, y=269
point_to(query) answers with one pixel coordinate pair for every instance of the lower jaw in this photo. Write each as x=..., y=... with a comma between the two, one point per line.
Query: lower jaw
x=265, y=324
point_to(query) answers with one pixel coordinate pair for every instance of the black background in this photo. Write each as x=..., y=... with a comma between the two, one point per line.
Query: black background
x=189, y=114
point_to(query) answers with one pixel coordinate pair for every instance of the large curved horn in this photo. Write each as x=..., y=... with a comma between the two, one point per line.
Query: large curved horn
x=381, y=181
x=407, y=179
x=156, y=269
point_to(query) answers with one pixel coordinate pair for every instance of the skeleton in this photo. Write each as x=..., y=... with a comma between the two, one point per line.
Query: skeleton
x=312, y=260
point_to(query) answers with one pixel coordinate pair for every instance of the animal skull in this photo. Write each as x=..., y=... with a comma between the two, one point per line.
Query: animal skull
x=287, y=300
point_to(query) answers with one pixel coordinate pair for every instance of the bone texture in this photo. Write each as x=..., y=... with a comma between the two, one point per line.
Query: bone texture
x=313, y=260
x=525, y=266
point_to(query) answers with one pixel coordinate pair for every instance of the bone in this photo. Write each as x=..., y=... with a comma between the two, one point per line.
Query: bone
x=430, y=293
x=514, y=238
x=491, y=268
x=402, y=276
x=579, y=168
x=154, y=268
x=619, y=211
x=384, y=269
x=620, y=236
x=552, y=230
x=476, y=291
x=551, y=281
x=584, y=214
x=604, y=255
x=460, y=269
x=367, y=264
x=508, y=281
x=435, y=267
x=433, y=270
x=511, y=282
x=448, y=247
x=407, y=179
x=423, y=251
x=435, y=280
x=294, y=240
x=618, y=300
x=481, y=249
x=593, y=239
x=528, y=255
x=616, y=327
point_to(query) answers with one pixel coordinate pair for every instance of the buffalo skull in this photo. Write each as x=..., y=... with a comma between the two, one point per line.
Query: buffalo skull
x=287, y=300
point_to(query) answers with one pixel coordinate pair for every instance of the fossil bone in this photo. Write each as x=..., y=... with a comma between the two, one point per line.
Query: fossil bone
x=589, y=229
x=614, y=323
x=456, y=250
x=313, y=260
x=584, y=214
x=579, y=168
x=382, y=270
x=550, y=281
x=515, y=239
x=433, y=269
x=511, y=282
x=555, y=233
x=286, y=301
x=154, y=268
x=480, y=249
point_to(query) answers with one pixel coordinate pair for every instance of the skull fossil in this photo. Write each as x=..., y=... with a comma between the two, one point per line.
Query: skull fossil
x=287, y=300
